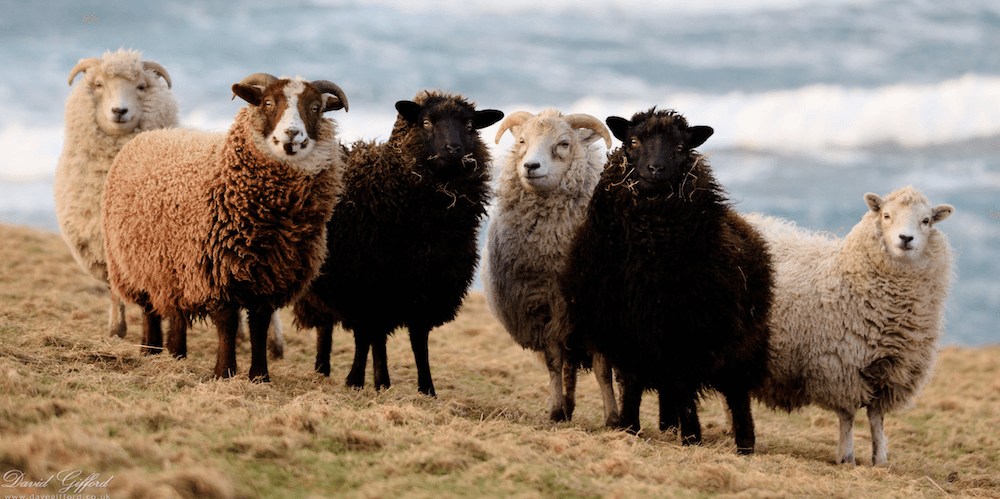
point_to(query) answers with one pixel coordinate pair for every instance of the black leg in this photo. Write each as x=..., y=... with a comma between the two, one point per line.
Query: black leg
x=177, y=338
x=418, y=341
x=742, y=416
x=226, y=321
x=324, y=344
x=258, y=321
x=380, y=362
x=152, y=332
x=631, y=400
x=356, y=378
x=688, y=414
x=668, y=411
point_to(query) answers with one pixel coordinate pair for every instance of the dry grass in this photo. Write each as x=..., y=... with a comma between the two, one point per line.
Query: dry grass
x=72, y=398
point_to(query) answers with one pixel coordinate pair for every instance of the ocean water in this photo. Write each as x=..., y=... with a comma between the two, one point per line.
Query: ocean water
x=813, y=105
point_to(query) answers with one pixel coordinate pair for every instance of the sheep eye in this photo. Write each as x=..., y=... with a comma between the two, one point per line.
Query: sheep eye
x=98, y=84
x=469, y=125
x=927, y=221
x=268, y=103
x=564, y=143
x=885, y=216
x=635, y=142
x=520, y=141
x=315, y=108
x=142, y=86
x=680, y=148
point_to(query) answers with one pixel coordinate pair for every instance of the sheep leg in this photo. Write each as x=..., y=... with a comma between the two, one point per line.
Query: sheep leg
x=116, y=321
x=418, y=342
x=557, y=400
x=668, y=412
x=380, y=361
x=631, y=400
x=688, y=415
x=569, y=385
x=177, y=338
x=356, y=378
x=845, y=450
x=324, y=344
x=602, y=371
x=742, y=421
x=258, y=322
x=152, y=331
x=879, y=442
x=226, y=322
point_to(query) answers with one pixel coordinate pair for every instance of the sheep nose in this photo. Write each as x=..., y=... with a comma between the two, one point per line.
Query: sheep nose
x=532, y=166
x=453, y=148
x=292, y=133
x=119, y=111
x=906, y=239
x=656, y=169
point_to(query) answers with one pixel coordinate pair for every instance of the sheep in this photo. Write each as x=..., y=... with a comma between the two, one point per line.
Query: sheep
x=669, y=283
x=544, y=187
x=855, y=321
x=205, y=224
x=118, y=97
x=407, y=228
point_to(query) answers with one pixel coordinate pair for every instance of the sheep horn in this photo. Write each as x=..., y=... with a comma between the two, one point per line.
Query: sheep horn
x=328, y=87
x=83, y=65
x=258, y=80
x=515, y=119
x=160, y=70
x=588, y=121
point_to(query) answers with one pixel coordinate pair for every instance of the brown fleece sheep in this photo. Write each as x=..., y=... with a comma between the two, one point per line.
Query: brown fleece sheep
x=203, y=224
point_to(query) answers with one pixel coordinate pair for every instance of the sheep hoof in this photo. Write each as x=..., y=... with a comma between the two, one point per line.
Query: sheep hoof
x=324, y=369
x=744, y=451
x=260, y=379
x=427, y=391
x=118, y=329
x=613, y=421
x=558, y=415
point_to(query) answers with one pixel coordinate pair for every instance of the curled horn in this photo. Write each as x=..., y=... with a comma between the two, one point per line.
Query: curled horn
x=588, y=121
x=258, y=80
x=160, y=70
x=83, y=65
x=515, y=119
x=328, y=87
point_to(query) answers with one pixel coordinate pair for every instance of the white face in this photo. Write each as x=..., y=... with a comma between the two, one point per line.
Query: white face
x=906, y=228
x=289, y=138
x=545, y=149
x=118, y=101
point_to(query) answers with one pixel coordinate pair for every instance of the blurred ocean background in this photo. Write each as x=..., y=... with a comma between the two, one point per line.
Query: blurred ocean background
x=813, y=103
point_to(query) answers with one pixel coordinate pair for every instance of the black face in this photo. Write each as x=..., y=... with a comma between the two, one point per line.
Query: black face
x=658, y=149
x=450, y=132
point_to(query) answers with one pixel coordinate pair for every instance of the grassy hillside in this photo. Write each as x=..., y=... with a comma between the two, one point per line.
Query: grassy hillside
x=74, y=400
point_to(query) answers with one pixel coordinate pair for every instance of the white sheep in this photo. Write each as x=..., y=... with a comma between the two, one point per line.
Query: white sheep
x=203, y=223
x=544, y=188
x=118, y=97
x=855, y=321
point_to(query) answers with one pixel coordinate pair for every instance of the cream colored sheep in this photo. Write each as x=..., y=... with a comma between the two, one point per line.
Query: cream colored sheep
x=118, y=97
x=855, y=321
x=544, y=187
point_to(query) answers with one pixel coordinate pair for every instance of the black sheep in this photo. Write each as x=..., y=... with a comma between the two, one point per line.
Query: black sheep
x=668, y=282
x=403, y=239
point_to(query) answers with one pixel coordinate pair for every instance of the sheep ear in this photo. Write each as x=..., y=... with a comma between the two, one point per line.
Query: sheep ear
x=249, y=93
x=697, y=135
x=941, y=212
x=486, y=117
x=619, y=127
x=409, y=110
x=874, y=201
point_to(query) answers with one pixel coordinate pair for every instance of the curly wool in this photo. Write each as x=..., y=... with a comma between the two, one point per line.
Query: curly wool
x=872, y=322
x=195, y=221
x=88, y=152
x=528, y=240
x=403, y=237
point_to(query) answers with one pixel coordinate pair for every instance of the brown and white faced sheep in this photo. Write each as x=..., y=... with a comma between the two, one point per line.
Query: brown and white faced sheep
x=667, y=281
x=406, y=230
x=855, y=321
x=544, y=187
x=118, y=97
x=204, y=224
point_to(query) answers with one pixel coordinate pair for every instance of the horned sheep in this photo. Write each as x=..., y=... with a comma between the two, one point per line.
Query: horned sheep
x=543, y=190
x=855, y=321
x=667, y=281
x=119, y=96
x=407, y=229
x=204, y=224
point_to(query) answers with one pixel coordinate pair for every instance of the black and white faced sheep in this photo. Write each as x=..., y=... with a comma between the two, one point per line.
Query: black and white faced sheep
x=667, y=281
x=855, y=321
x=119, y=96
x=406, y=229
x=204, y=224
x=544, y=187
